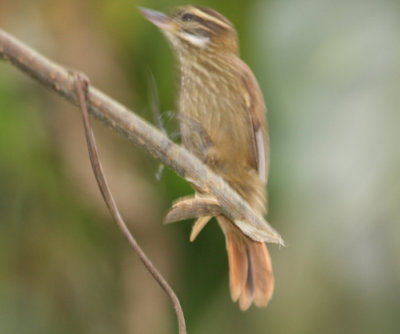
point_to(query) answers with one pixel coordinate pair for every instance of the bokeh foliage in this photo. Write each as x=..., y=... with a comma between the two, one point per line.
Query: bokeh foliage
x=330, y=72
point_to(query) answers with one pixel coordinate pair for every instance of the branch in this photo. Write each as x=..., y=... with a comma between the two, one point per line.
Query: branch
x=142, y=134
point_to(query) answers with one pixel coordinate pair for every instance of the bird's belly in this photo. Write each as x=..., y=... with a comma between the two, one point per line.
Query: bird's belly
x=215, y=133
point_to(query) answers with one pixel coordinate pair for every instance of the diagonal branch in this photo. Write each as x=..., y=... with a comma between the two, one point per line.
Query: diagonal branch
x=142, y=134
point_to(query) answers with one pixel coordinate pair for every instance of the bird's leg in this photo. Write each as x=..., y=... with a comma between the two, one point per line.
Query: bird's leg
x=201, y=207
x=198, y=226
x=192, y=207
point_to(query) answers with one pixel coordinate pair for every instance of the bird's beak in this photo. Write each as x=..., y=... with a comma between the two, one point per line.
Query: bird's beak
x=159, y=19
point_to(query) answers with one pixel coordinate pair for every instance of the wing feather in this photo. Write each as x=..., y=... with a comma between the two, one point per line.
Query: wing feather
x=254, y=103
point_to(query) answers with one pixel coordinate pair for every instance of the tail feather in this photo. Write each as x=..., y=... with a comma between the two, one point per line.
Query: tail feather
x=238, y=265
x=250, y=270
x=247, y=294
x=262, y=272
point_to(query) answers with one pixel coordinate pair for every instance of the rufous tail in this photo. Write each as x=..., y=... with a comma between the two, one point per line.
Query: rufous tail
x=250, y=269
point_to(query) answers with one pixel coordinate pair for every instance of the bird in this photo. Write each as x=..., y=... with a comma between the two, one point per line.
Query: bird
x=222, y=120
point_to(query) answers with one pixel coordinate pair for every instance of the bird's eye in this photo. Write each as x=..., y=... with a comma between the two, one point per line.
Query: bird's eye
x=187, y=17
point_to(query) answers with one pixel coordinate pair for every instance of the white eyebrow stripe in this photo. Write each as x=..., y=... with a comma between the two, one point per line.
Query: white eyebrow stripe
x=206, y=16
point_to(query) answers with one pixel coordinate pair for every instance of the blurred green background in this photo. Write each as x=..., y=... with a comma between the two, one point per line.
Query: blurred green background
x=330, y=73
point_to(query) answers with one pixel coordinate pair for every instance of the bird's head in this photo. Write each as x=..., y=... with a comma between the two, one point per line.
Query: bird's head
x=195, y=29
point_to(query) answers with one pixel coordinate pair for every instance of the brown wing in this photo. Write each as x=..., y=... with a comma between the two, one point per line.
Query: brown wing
x=254, y=103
